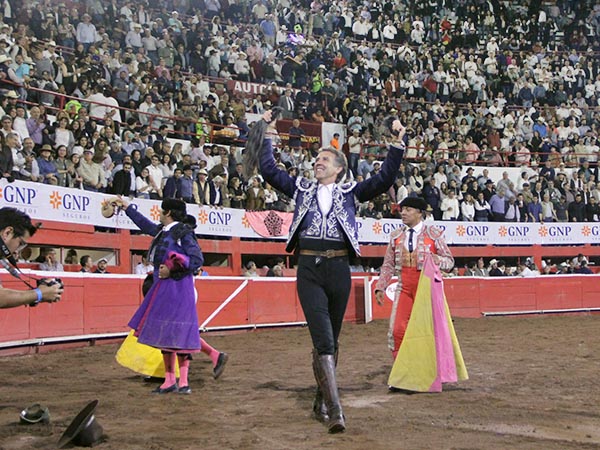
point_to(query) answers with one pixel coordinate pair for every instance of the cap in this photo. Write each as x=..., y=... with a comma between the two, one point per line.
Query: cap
x=414, y=202
x=173, y=204
x=102, y=259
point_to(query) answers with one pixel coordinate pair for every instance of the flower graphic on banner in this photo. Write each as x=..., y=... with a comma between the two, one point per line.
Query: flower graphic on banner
x=203, y=217
x=586, y=230
x=461, y=230
x=155, y=212
x=377, y=227
x=55, y=200
x=245, y=222
x=503, y=231
x=543, y=231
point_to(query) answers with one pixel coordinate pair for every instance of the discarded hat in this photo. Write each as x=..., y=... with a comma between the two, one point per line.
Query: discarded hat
x=414, y=202
x=34, y=414
x=84, y=430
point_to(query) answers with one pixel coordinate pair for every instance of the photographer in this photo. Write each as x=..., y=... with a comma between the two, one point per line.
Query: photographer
x=15, y=230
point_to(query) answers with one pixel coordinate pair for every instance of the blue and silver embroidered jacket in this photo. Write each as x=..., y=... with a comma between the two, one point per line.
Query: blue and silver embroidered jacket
x=307, y=222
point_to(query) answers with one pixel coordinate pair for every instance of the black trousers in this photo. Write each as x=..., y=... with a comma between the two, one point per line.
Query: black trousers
x=323, y=288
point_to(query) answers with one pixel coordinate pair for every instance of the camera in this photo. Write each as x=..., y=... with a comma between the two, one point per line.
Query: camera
x=50, y=282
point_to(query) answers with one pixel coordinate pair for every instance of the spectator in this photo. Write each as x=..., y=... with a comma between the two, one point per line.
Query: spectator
x=86, y=264
x=144, y=267
x=101, y=267
x=51, y=263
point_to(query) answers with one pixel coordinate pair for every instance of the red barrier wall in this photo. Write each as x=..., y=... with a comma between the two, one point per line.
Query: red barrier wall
x=104, y=304
x=471, y=297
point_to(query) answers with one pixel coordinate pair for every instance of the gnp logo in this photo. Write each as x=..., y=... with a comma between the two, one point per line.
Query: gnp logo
x=513, y=231
x=216, y=218
x=593, y=230
x=476, y=230
x=18, y=195
x=555, y=231
x=70, y=202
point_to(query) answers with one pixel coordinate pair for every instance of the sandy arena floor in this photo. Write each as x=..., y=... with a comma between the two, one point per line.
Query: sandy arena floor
x=534, y=385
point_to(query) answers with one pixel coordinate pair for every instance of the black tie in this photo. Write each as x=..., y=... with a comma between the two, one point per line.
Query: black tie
x=410, y=240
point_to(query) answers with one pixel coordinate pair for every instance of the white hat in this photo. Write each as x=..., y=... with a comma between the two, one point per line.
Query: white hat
x=283, y=27
x=51, y=44
x=493, y=261
x=4, y=58
x=11, y=94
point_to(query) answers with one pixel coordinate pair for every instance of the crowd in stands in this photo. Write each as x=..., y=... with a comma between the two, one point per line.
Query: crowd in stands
x=525, y=268
x=476, y=82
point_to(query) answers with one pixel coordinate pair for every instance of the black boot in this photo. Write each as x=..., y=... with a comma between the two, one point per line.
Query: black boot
x=328, y=384
x=319, y=408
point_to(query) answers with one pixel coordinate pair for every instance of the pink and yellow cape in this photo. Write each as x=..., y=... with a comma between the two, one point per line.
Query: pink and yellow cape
x=429, y=354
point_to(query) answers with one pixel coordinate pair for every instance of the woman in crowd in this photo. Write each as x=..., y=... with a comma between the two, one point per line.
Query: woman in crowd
x=143, y=184
x=62, y=167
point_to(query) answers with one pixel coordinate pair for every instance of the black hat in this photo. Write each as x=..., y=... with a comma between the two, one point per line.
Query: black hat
x=34, y=414
x=414, y=202
x=84, y=430
x=489, y=182
x=173, y=204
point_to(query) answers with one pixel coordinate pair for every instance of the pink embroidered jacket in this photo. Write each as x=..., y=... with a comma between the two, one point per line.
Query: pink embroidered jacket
x=392, y=263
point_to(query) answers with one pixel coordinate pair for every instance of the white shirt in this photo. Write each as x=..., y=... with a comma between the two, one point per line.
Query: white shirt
x=142, y=269
x=325, y=197
x=418, y=230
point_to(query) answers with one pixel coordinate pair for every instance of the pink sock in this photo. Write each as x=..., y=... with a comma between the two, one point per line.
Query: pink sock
x=184, y=368
x=207, y=349
x=169, y=359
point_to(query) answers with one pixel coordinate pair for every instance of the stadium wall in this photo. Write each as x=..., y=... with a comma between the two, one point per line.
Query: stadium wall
x=99, y=307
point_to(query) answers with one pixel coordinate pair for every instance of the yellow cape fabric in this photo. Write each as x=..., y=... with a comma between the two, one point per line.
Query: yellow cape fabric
x=415, y=367
x=141, y=358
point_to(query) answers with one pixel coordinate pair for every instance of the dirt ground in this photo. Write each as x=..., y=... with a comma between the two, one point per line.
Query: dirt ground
x=533, y=385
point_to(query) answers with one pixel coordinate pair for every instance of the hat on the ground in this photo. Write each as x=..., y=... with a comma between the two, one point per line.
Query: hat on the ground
x=35, y=414
x=414, y=202
x=85, y=430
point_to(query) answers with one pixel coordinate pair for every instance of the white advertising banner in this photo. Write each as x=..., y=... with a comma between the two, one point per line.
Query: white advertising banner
x=46, y=202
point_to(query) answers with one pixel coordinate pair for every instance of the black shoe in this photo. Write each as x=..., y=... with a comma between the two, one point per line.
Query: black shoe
x=166, y=390
x=185, y=390
x=396, y=390
x=220, y=367
x=150, y=379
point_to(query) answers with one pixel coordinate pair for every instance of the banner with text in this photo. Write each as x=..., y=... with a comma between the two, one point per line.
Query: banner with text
x=45, y=202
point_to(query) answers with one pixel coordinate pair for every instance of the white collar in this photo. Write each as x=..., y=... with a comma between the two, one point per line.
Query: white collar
x=418, y=227
x=169, y=226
